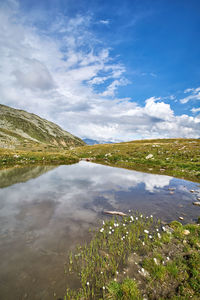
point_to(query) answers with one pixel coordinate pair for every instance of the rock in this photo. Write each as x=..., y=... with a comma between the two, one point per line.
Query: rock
x=181, y=218
x=186, y=232
x=192, y=191
x=119, y=213
x=196, y=203
x=149, y=156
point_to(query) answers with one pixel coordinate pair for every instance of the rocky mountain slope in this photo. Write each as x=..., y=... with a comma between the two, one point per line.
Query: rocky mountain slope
x=22, y=130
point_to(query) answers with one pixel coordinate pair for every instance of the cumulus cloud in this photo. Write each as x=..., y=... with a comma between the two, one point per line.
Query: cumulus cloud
x=63, y=73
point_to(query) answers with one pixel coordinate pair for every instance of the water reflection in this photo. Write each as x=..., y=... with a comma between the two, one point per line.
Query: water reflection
x=41, y=219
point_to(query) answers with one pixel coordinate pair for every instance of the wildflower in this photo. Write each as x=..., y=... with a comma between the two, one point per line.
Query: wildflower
x=132, y=218
x=129, y=210
x=159, y=236
x=151, y=216
x=157, y=229
x=123, y=237
x=141, y=216
x=136, y=218
x=101, y=272
x=143, y=243
x=110, y=227
x=147, y=217
x=117, y=272
x=103, y=223
x=124, y=272
x=88, y=283
x=109, y=232
x=167, y=258
x=146, y=231
x=155, y=260
x=163, y=228
x=150, y=236
x=124, y=224
x=112, y=230
x=115, y=279
x=102, y=229
x=104, y=288
x=127, y=232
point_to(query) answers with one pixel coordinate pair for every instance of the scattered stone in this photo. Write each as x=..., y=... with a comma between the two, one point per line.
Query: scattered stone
x=171, y=189
x=186, y=232
x=198, y=198
x=196, y=203
x=192, y=191
x=181, y=218
x=149, y=156
x=171, y=193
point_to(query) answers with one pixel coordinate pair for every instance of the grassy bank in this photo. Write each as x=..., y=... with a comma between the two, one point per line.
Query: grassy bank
x=22, y=158
x=175, y=157
x=137, y=258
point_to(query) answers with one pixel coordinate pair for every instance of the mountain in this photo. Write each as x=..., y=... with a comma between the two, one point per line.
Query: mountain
x=22, y=130
x=90, y=141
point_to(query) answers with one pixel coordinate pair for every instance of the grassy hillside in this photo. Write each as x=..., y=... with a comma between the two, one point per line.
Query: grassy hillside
x=176, y=157
x=23, y=130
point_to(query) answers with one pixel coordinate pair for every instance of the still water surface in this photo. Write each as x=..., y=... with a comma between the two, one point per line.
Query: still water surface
x=46, y=210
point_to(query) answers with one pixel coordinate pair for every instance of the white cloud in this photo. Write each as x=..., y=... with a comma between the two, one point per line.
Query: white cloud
x=195, y=110
x=194, y=95
x=65, y=74
x=105, y=22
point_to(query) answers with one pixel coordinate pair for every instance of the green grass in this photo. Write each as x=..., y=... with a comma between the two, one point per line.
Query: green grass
x=128, y=258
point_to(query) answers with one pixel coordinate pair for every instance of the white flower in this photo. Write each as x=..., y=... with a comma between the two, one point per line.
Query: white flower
x=167, y=258
x=115, y=279
x=136, y=218
x=150, y=236
x=117, y=272
x=124, y=224
x=129, y=210
x=143, y=243
x=104, y=288
x=88, y=283
x=109, y=232
x=102, y=229
x=123, y=237
x=151, y=216
x=101, y=272
x=110, y=227
x=132, y=218
x=127, y=232
x=141, y=216
x=157, y=229
x=103, y=223
x=112, y=230
x=155, y=260
x=159, y=236
x=147, y=217
x=146, y=231
x=163, y=228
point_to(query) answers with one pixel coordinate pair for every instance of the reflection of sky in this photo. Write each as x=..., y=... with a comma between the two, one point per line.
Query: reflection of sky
x=75, y=192
x=69, y=188
x=51, y=213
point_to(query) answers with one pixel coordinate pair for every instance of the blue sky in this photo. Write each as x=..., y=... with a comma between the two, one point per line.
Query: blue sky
x=105, y=70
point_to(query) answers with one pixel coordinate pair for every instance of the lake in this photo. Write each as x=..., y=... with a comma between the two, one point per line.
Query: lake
x=45, y=211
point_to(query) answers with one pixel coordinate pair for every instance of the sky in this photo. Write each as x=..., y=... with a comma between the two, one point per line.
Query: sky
x=104, y=70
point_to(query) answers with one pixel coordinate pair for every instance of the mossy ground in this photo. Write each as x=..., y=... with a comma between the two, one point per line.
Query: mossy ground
x=137, y=258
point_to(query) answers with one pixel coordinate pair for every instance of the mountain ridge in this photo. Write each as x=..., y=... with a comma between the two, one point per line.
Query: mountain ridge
x=20, y=129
